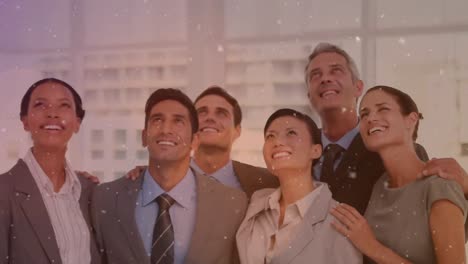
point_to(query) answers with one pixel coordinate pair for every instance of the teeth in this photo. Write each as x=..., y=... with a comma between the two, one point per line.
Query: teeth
x=52, y=127
x=374, y=129
x=209, y=129
x=281, y=155
x=166, y=143
x=330, y=92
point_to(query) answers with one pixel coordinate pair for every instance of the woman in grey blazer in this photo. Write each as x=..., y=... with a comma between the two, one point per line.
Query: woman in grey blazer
x=292, y=224
x=44, y=206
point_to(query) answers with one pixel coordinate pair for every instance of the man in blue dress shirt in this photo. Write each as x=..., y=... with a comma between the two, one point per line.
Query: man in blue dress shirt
x=170, y=214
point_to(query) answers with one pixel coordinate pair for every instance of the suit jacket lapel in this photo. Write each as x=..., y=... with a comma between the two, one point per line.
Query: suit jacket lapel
x=205, y=208
x=242, y=177
x=32, y=204
x=125, y=204
x=317, y=212
x=85, y=199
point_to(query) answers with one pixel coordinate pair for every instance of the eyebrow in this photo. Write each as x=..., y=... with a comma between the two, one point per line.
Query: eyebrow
x=45, y=99
x=367, y=109
x=274, y=131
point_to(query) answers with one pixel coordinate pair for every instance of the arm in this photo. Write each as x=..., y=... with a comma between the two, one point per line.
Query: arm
x=355, y=227
x=447, y=168
x=448, y=239
x=96, y=225
x=4, y=231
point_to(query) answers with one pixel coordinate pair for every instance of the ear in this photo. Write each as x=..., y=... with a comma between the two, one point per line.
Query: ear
x=195, y=141
x=359, y=88
x=144, y=142
x=315, y=151
x=78, y=125
x=24, y=120
x=237, y=132
x=411, y=120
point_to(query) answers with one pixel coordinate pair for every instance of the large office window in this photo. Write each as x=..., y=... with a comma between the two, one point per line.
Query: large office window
x=117, y=52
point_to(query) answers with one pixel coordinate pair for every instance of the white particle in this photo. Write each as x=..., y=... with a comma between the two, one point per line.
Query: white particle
x=357, y=39
x=402, y=41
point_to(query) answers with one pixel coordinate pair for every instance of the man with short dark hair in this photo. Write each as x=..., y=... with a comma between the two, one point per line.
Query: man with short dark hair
x=170, y=214
x=220, y=117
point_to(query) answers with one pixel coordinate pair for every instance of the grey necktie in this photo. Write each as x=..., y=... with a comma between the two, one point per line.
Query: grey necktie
x=162, y=250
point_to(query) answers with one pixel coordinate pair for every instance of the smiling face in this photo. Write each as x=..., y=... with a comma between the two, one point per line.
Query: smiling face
x=382, y=122
x=168, y=133
x=51, y=117
x=288, y=146
x=216, y=119
x=331, y=86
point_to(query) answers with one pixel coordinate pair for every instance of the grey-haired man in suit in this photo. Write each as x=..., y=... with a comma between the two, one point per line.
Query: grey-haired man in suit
x=334, y=86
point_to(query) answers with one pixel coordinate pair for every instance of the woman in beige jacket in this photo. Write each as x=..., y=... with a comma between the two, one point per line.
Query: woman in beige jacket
x=292, y=224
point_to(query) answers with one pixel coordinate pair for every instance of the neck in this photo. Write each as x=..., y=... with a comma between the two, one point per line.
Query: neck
x=168, y=174
x=336, y=123
x=52, y=162
x=295, y=185
x=402, y=165
x=211, y=160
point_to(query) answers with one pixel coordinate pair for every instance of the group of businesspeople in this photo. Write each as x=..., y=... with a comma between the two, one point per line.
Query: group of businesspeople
x=358, y=190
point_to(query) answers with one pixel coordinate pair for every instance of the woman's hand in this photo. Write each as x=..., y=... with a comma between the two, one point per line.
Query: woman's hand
x=355, y=227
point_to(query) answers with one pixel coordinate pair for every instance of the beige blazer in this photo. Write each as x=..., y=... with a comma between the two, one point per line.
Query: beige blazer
x=316, y=242
x=220, y=210
x=26, y=234
x=253, y=178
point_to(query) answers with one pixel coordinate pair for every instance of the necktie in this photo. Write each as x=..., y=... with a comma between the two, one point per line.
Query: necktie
x=162, y=250
x=331, y=153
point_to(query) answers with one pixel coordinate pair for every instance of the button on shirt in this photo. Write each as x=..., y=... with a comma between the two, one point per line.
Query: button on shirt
x=344, y=142
x=224, y=175
x=182, y=212
x=268, y=239
x=63, y=207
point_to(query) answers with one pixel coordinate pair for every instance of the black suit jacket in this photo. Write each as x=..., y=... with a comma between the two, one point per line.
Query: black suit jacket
x=357, y=173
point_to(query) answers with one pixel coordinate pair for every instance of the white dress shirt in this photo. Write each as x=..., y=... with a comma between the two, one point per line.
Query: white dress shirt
x=63, y=207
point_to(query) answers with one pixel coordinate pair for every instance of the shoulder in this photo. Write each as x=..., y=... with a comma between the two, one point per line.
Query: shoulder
x=256, y=176
x=261, y=194
x=219, y=189
x=438, y=188
x=7, y=179
x=247, y=167
x=112, y=189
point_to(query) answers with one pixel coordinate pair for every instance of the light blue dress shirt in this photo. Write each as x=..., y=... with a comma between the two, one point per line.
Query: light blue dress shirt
x=344, y=142
x=182, y=212
x=225, y=175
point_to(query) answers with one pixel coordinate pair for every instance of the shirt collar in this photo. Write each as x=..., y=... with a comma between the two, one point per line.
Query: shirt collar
x=302, y=205
x=223, y=172
x=71, y=185
x=344, y=141
x=182, y=193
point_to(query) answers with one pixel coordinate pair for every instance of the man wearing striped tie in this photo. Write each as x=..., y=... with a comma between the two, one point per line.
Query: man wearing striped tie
x=170, y=214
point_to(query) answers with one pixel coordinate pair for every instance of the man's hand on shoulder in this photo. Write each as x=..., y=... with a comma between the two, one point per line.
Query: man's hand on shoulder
x=88, y=176
x=447, y=168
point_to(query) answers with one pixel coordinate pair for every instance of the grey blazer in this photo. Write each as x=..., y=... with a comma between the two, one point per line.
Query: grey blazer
x=220, y=210
x=316, y=240
x=253, y=178
x=26, y=234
